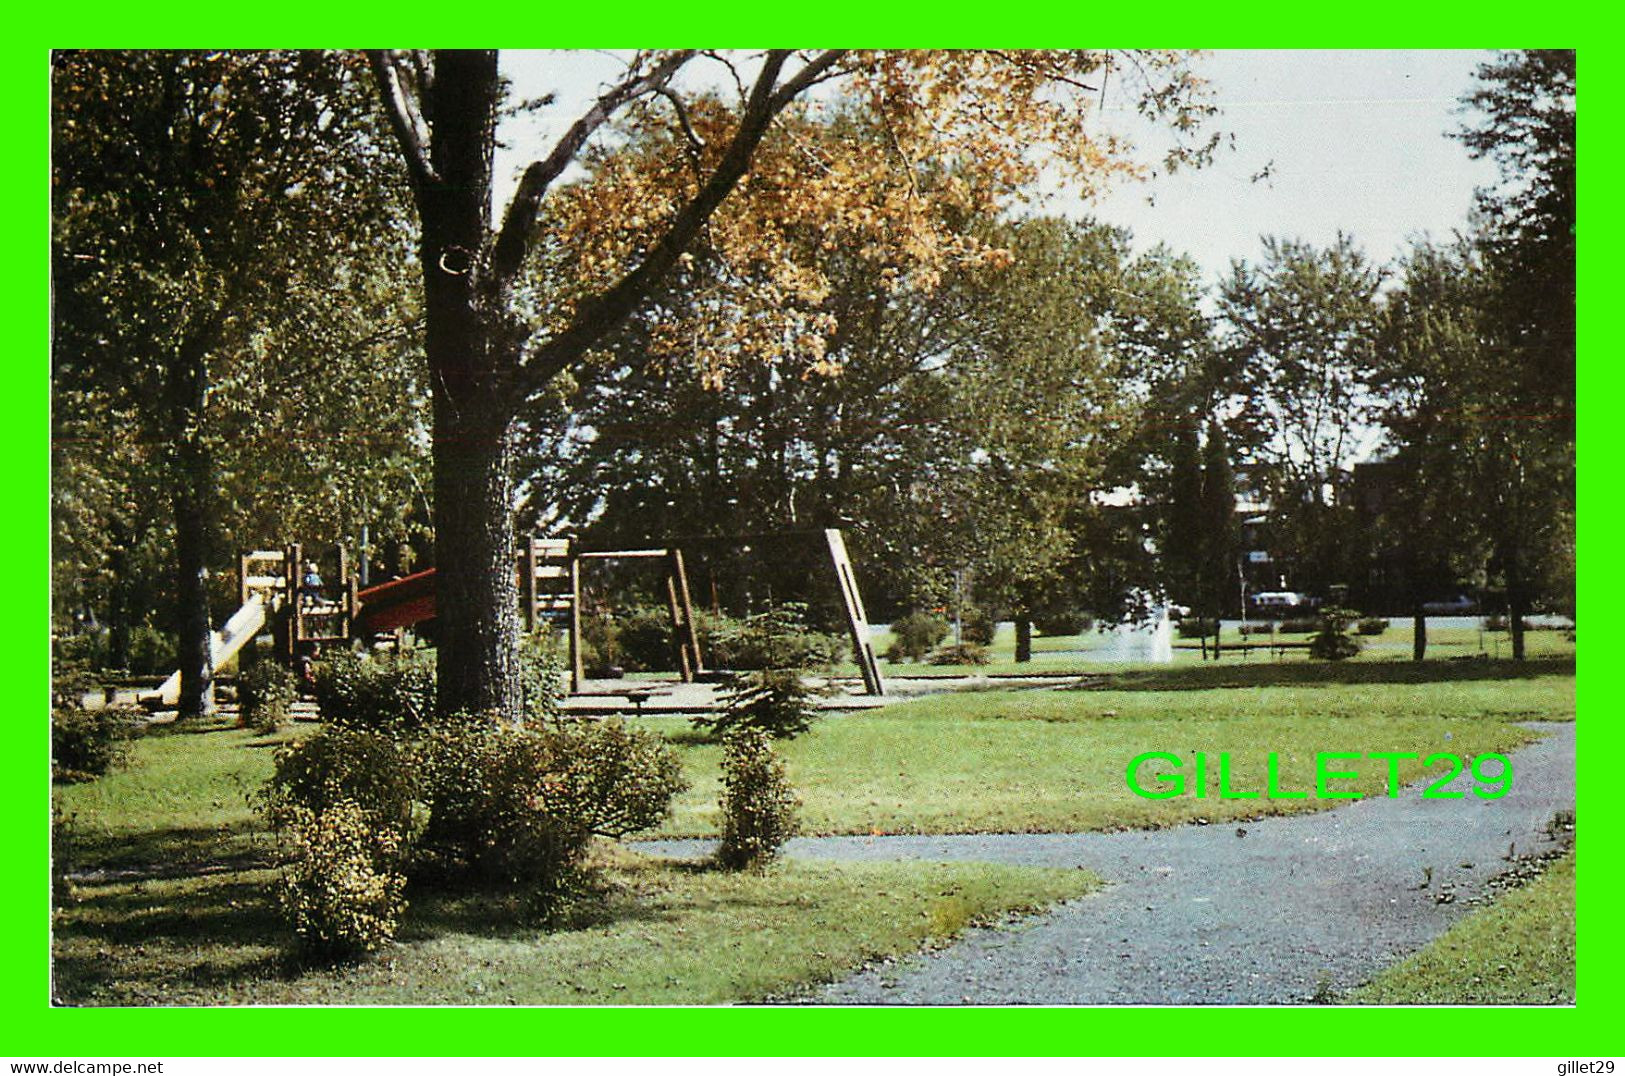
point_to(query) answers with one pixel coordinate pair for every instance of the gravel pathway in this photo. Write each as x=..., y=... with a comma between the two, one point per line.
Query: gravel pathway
x=1268, y=912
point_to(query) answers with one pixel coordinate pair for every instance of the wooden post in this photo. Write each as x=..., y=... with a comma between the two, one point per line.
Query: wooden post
x=690, y=634
x=527, y=583
x=679, y=639
x=856, y=620
x=345, y=590
x=578, y=672
x=292, y=564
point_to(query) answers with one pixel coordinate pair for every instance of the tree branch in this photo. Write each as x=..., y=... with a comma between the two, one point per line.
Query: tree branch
x=410, y=130
x=512, y=241
x=598, y=316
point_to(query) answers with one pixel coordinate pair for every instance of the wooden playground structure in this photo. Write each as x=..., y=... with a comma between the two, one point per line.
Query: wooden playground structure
x=272, y=592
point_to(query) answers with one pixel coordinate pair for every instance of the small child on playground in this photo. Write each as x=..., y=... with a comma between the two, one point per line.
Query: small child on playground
x=305, y=667
x=311, y=588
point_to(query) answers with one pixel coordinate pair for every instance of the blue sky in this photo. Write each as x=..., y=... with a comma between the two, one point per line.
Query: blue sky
x=1355, y=140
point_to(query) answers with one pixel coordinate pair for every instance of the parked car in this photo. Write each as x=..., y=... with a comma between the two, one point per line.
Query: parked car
x=1271, y=602
x=1460, y=605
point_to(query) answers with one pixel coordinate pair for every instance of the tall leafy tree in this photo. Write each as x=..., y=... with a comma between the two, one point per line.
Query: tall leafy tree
x=1523, y=118
x=1524, y=107
x=967, y=128
x=1434, y=346
x=188, y=189
x=1300, y=328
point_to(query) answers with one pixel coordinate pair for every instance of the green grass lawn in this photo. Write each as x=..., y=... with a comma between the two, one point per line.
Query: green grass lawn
x=174, y=904
x=1518, y=951
x=668, y=934
x=1037, y=761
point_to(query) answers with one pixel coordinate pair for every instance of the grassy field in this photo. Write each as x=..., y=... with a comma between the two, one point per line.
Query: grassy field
x=1518, y=951
x=1036, y=761
x=172, y=904
x=172, y=869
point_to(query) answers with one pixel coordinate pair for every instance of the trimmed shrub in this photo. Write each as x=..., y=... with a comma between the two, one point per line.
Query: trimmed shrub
x=1266, y=628
x=1333, y=642
x=777, y=702
x=962, y=654
x=366, y=769
x=340, y=891
x=976, y=625
x=1371, y=625
x=394, y=692
x=914, y=635
x=758, y=804
x=1196, y=627
x=1074, y=622
x=645, y=639
x=1299, y=625
x=265, y=695
x=519, y=805
x=86, y=744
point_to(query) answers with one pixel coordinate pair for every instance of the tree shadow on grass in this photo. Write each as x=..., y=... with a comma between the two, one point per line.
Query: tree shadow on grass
x=167, y=854
x=1314, y=674
x=165, y=941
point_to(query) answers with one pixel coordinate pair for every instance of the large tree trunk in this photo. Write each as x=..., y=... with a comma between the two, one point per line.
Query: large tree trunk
x=1024, y=636
x=192, y=493
x=1419, y=633
x=476, y=597
x=472, y=356
x=193, y=624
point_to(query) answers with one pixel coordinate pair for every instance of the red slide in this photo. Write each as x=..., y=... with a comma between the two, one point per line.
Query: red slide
x=398, y=603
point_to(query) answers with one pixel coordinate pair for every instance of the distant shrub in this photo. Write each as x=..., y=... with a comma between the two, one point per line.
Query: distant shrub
x=1064, y=623
x=1371, y=625
x=1266, y=628
x=1196, y=627
x=962, y=654
x=1332, y=641
x=1301, y=625
x=393, y=692
x=1501, y=622
x=778, y=702
x=914, y=635
x=86, y=744
x=776, y=638
x=341, y=890
x=758, y=804
x=976, y=625
x=645, y=639
x=265, y=695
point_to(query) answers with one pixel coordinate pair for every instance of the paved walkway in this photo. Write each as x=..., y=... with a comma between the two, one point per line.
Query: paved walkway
x=1266, y=912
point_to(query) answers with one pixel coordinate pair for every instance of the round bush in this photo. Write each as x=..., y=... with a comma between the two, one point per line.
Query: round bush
x=85, y=744
x=394, y=692
x=368, y=770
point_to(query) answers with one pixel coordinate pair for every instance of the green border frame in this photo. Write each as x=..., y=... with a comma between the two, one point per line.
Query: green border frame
x=38, y=1030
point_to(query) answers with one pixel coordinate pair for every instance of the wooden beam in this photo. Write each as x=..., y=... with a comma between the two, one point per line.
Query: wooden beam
x=690, y=630
x=578, y=672
x=857, y=621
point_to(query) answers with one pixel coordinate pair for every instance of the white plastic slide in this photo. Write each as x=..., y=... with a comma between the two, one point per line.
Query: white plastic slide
x=244, y=624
